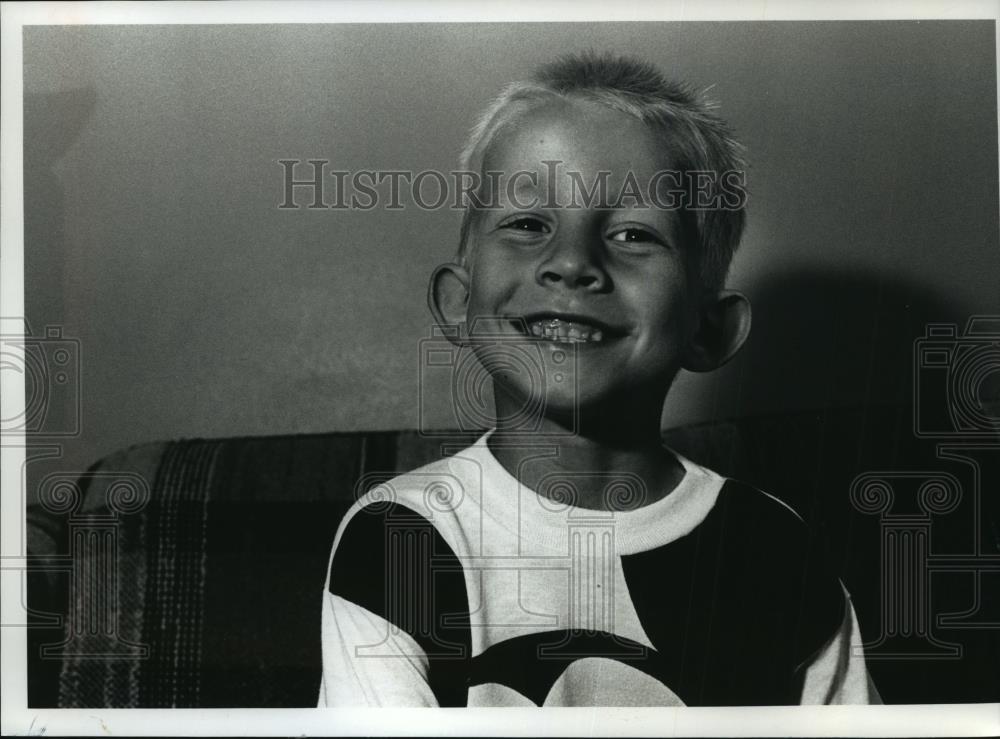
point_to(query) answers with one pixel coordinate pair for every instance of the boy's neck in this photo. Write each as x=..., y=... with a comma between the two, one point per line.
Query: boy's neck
x=603, y=469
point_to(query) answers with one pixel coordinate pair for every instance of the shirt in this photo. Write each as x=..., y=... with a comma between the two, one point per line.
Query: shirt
x=456, y=585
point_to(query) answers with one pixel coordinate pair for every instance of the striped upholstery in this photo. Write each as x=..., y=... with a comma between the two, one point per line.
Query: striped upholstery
x=219, y=571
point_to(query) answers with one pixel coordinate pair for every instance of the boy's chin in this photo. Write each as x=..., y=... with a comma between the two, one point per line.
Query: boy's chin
x=529, y=411
x=568, y=407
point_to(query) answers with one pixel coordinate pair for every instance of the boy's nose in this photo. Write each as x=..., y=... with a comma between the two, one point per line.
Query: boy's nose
x=573, y=265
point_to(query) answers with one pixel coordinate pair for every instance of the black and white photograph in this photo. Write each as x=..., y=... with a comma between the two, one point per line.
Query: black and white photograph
x=635, y=365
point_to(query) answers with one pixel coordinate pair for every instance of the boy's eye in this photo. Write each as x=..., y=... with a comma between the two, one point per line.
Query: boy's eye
x=527, y=224
x=635, y=236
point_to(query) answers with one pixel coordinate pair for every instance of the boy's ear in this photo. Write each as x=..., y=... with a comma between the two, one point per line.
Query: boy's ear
x=723, y=326
x=448, y=296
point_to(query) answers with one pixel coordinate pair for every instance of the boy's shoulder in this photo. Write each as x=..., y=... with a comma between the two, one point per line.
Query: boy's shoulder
x=755, y=511
x=756, y=552
x=430, y=496
x=433, y=487
x=755, y=526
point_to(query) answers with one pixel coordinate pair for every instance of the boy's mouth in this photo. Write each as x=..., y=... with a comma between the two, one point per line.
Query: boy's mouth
x=564, y=329
x=569, y=332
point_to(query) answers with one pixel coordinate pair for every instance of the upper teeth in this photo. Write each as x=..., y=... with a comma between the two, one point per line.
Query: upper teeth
x=559, y=330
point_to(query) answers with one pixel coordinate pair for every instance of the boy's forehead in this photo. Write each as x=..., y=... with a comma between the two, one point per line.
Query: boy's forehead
x=585, y=137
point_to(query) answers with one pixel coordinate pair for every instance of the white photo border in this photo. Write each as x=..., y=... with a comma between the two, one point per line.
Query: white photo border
x=18, y=719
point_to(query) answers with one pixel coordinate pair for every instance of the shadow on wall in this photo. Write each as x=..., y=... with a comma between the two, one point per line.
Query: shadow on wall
x=52, y=123
x=826, y=339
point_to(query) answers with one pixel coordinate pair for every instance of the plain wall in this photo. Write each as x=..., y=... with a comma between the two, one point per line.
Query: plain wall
x=153, y=236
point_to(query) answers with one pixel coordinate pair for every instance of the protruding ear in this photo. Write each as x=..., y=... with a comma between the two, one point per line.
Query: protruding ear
x=448, y=296
x=723, y=326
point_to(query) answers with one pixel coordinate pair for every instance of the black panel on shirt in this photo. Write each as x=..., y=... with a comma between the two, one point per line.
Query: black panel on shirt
x=393, y=562
x=736, y=607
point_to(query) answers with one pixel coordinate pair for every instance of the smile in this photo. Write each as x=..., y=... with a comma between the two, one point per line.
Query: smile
x=569, y=332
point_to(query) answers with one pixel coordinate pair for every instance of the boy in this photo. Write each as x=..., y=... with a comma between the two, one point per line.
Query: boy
x=567, y=557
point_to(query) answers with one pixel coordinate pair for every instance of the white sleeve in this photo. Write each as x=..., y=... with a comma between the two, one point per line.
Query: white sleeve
x=367, y=662
x=837, y=673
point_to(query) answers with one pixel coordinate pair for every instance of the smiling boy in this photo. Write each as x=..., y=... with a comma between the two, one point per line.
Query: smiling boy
x=569, y=557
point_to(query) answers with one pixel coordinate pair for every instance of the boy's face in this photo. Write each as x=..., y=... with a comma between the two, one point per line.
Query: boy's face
x=615, y=285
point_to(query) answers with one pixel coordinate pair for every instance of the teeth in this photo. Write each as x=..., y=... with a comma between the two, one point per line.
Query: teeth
x=565, y=331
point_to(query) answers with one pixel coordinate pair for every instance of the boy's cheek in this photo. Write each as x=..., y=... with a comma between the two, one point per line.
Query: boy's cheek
x=494, y=282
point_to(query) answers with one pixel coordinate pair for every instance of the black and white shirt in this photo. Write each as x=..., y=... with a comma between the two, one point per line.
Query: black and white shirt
x=455, y=585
